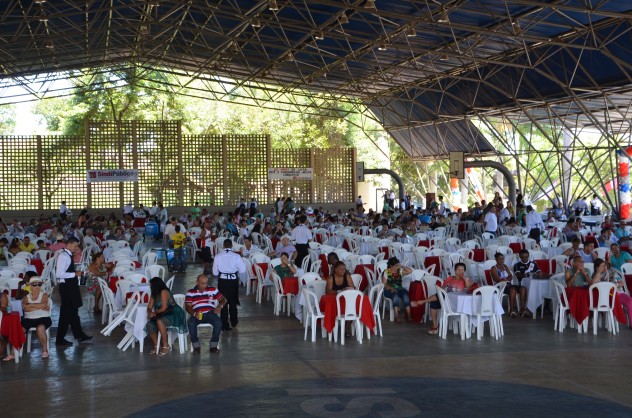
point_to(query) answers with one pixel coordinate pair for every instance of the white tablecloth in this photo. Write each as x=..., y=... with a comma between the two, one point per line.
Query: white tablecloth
x=461, y=302
x=537, y=290
x=140, y=320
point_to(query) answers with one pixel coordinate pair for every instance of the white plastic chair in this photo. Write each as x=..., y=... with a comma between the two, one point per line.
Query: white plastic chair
x=351, y=312
x=318, y=288
x=169, y=282
x=312, y=313
x=486, y=308
x=262, y=283
x=281, y=299
x=559, y=315
x=155, y=270
x=179, y=299
x=148, y=259
x=604, y=305
x=446, y=313
x=357, y=280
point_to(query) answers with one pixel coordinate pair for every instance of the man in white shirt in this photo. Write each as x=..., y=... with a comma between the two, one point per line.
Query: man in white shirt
x=441, y=206
x=163, y=217
x=170, y=229
x=595, y=206
x=359, y=202
x=491, y=220
x=302, y=236
x=70, y=295
x=154, y=210
x=534, y=224
x=128, y=209
x=226, y=267
x=503, y=215
x=63, y=211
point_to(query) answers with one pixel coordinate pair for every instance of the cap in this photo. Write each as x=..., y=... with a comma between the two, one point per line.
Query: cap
x=35, y=279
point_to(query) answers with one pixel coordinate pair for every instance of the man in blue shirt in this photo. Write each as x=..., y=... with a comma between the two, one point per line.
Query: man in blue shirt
x=618, y=258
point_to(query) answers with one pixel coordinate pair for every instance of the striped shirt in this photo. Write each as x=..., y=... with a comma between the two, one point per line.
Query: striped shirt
x=203, y=300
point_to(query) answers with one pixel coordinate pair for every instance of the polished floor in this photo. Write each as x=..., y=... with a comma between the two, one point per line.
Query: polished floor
x=265, y=368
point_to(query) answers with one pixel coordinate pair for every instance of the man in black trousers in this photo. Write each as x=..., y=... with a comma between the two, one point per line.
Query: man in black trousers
x=68, y=280
x=227, y=267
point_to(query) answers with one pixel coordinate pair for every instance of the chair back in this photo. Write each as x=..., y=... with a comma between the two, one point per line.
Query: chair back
x=375, y=297
x=308, y=278
x=124, y=287
x=315, y=267
x=442, y=296
x=560, y=293
x=155, y=270
x=430, y=282
x=357, y=280
x=275, y=262
x=311, y=302
x=486, y=307
x=169, y=282
x=501, y=290
x=366, y=259
x=259, y=258
x=179, y=298
x=278, y=284
x=149, y=259
x=352, y=307
x=605, y=296
x=317, y=287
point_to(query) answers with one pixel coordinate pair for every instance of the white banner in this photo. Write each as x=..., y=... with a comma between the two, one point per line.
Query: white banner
x=301, y=173
x=101, y=176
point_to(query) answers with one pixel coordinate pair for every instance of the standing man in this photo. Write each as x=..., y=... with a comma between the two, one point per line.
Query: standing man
x=252, y=209
x=302, y=235
x=68, y=280
x=534, y=224
x=359, y=202
x=63, y=211
x=227, y=267
x=204, y=303
x=442, y=207
x=128, y=210
x=491, y=220
x=163, y=217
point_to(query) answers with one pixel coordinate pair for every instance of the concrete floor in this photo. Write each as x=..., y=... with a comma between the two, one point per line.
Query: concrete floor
x=266, y=369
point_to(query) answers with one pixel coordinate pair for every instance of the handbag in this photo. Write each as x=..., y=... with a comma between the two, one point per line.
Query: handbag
x=473, y=287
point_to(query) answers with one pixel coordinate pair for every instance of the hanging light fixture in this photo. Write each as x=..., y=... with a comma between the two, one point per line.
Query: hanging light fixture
x=319, y=36
x=382, y=47
x=343, y=19
x=272, y=5
x=444, y=57
x=369, y=4
x=443, y=16
x=411, y=33
x=256, y=23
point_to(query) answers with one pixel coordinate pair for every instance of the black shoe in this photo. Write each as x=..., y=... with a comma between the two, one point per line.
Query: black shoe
x=196, y=350
x=214, y=350
x=63, y=343
x=235, y=324
x=226, y=328
x=85, y=338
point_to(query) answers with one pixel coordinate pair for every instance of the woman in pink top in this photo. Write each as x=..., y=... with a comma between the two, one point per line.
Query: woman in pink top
x=456, y=283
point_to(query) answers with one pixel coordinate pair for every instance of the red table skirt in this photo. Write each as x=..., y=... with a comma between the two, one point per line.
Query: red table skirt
x=417, y=292
x=330, y=309
x=112, y=284
x=12, y=328
x=579, y=302
x=360, y=270
x=38, y=264
x=290, y=285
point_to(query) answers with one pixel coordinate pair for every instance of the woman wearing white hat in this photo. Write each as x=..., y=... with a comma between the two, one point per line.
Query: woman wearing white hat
x=37, y=312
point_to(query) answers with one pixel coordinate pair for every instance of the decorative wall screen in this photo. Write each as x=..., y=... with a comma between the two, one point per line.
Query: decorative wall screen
x=38, y=172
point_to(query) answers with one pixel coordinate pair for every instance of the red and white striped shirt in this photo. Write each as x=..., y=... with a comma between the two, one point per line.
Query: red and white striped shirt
x=203, y=300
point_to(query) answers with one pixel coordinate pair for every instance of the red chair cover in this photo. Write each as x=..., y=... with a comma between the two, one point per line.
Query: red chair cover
x=360, y=270
x=424, y=243
x=488, y=278
x=290, y=285
x=430, y=260
x=516, y=247
x=324, y=267
x=38, y=264
x=544, y=266
x=417, y=292
x=12, y=329
x=479, y=255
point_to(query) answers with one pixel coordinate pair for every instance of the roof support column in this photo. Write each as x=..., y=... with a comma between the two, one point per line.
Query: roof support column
x=511, y=184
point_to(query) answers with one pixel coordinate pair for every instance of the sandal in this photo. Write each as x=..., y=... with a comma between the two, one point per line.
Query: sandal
x=164, y=351
x=397, y=320
x=9, y=358
x=525, y=314
x=433, y=331
x=513, y=315
x=153, y=350
x=45, y=354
